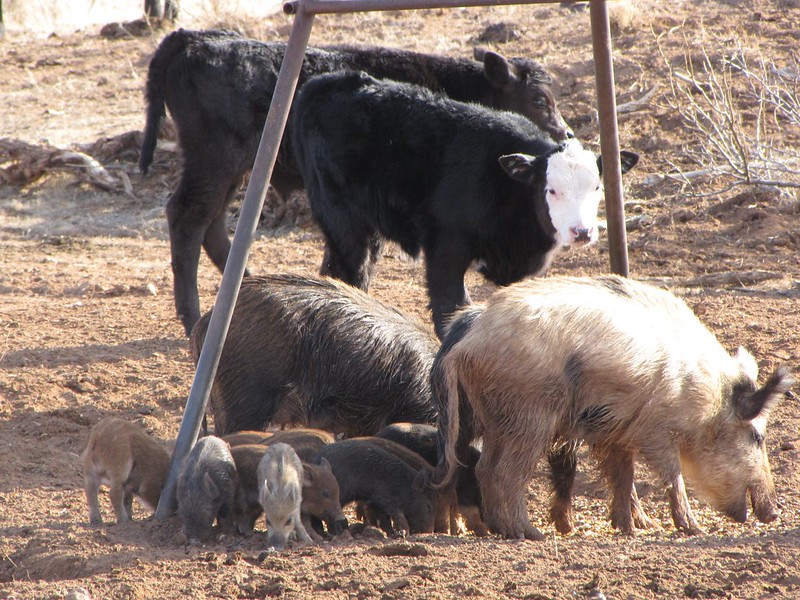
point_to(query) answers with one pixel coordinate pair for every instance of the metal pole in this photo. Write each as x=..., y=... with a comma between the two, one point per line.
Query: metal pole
x=240, y=249
x=348, y=6
x=609, y=137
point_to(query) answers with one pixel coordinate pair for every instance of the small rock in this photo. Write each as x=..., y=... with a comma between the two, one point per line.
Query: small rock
x=398, y=584
x=78, y=594
x=499, y=33
x=373, y=533
x=401, y=549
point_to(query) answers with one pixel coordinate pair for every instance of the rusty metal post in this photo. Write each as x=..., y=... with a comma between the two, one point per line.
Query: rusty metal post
x=240, y=249
x=609, y=137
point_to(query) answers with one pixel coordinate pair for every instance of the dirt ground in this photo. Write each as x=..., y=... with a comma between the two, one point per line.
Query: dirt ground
x=87, y=325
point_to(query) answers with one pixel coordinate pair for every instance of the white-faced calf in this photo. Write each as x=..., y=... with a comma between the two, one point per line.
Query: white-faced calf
x=460, y=182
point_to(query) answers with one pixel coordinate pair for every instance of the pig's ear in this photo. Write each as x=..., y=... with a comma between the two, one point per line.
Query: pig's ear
x=210, y=488
x=747, y=363
x=760, y=402
x=325, y=464
x=308, y=475
x=422, y=480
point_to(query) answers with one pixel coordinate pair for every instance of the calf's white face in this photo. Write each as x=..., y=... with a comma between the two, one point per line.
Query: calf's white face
x=572, y=187
x=573, y=193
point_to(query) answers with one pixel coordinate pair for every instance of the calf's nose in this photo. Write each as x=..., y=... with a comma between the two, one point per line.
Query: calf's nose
x=582, y=234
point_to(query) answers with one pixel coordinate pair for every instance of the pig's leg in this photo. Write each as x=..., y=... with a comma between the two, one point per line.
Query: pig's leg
x=309, y=527
x=401, y=522
x=666, y=463
x=682, y=514
x=117, y=493
x=128, y=500
x=472, y=517
x=617, y=466
x=640, y=518
x=563, y=462
x=300, y=530
x=503, y=475
x=91, y=487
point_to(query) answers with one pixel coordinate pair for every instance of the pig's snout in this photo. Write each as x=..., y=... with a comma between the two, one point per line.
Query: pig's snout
x=338, y=526
x=277, y=542
x=763, y=500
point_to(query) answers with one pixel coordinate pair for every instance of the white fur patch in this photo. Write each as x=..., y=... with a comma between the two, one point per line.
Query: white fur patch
x=748, y=363
x=573, y=194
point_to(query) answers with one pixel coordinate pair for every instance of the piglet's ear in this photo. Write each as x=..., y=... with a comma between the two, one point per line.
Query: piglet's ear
x=761, y=401
x=627, y=161
x=308, y=475
x=520, y=167
x=210, y=487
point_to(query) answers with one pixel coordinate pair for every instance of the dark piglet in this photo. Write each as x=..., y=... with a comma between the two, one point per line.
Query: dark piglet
x=218, y=85
x=319, y=353
x=369, y=474
x=444, y=500
x=206, y=489
x=424, y=440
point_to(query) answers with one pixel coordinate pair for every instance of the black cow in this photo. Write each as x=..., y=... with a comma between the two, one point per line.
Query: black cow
x=460, y=181
x=218, y=87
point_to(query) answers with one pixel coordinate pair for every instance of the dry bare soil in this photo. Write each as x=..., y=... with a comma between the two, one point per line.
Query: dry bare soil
x=87, y=327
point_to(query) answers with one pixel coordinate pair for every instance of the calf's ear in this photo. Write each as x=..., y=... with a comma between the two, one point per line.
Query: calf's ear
x=497, y=70
x=627, y=160
x=520, y=167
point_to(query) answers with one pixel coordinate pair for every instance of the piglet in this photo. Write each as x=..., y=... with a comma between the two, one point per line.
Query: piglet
x=122, y=456
x=369, y=474
x=280, y=488
x=206, y=490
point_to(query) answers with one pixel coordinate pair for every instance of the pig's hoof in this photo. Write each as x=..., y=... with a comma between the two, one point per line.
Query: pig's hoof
x=534, y=534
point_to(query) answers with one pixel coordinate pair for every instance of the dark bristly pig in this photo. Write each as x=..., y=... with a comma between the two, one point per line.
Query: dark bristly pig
x=625, y=366
x=369, y=474
x=319, y=353
x=131, y=463
x=219, y=112
x=206, y=489
x=280, y=492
